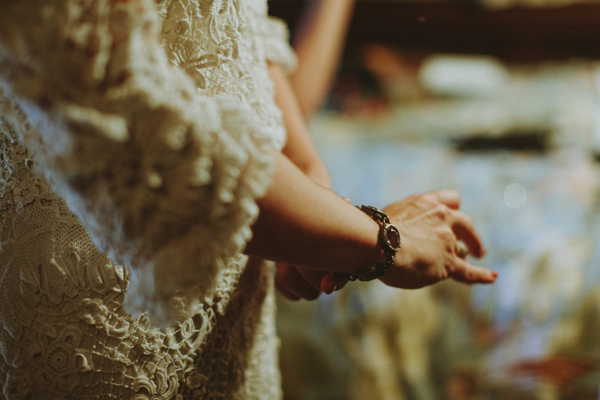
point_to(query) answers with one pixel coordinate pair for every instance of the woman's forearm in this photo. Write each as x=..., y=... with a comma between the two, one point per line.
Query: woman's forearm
x=304, y=224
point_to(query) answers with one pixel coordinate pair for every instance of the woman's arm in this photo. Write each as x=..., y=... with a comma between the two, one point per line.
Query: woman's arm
x=327, y=234
x=304, y=224
x=297, y=282
x=319, y=44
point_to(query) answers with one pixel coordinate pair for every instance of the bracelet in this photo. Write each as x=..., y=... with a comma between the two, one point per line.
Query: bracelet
x=389, y=240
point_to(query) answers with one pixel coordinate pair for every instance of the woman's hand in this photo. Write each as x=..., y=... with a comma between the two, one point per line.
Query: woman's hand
x=431, y=228
x=303, y=224
x=297, y=283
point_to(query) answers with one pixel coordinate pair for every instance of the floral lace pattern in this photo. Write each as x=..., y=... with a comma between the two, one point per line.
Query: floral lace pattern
x=66, y=332
x=204, y=38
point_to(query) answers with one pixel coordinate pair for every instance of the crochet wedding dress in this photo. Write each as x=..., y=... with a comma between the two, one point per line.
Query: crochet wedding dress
x=134, y=137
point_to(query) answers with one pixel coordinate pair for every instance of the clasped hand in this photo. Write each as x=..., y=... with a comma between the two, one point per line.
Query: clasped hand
x=431, y=227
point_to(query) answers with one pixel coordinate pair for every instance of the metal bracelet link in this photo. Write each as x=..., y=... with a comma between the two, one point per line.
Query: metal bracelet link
x=389, y=240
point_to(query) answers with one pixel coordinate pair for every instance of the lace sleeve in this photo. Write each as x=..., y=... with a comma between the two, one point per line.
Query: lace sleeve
x=162, y=177
x=277, y=47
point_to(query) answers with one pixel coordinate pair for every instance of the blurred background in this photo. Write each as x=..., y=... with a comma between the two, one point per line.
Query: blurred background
x=500, y=100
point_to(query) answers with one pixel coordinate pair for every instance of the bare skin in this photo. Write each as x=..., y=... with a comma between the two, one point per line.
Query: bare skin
x=294, y=282
x=430, y=224
x=303, y=224
x=319, y=44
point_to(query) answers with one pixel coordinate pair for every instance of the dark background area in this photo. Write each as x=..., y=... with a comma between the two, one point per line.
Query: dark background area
x=522, y=34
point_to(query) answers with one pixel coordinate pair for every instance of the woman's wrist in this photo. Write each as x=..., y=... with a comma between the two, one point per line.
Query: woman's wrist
x=389, y=241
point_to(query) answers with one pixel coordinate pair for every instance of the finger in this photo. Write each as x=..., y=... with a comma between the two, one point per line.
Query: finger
x=333, y=281
x=450, y=198
x=464, y=229
x=312, y=276
x=290, y=278
x=467, y=273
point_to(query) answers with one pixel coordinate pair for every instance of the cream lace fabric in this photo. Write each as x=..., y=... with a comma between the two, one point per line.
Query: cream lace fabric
x=156, y=146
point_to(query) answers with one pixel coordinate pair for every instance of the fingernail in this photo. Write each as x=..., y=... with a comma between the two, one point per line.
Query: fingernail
x=336, y=287
x=495, y=274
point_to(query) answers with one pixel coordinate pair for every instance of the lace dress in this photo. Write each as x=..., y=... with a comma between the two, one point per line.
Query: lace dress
x=134, y=137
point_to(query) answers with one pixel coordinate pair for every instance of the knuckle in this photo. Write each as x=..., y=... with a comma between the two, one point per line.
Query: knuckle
x=442, y=212
x=443, y=275
x=428, y=197
x=448, y=237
